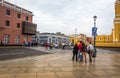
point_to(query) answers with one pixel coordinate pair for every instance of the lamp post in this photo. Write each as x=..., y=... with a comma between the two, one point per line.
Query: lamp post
x=94, y=17
x=75, y=34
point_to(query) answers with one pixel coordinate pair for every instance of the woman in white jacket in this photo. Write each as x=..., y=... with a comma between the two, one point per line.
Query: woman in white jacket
x=90, y=50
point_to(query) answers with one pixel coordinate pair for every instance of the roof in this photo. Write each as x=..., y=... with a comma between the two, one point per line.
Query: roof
x=15, y=7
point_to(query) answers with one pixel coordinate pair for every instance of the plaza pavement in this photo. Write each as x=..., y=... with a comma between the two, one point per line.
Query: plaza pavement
x=58, y=64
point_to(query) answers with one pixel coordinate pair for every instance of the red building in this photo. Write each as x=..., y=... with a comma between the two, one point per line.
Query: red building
x=89, y=39
x=16, y=24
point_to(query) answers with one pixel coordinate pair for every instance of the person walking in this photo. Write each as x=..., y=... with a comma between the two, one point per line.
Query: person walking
x=80, y=51
x=90, y=50
x=84, y=50
x=75, y=52
x=46, y=45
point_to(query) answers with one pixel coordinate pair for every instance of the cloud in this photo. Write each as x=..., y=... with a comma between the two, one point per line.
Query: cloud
x=66, y=15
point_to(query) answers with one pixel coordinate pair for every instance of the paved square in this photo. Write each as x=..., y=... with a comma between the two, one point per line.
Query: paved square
x=60, y=65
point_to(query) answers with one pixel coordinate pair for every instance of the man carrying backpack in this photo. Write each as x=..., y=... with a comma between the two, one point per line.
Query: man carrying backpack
x=90, y=50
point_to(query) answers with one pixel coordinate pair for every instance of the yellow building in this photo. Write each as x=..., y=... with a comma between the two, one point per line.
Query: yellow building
x=104, y=39
x=76, y=38
x=116, y=31
x=112, y=40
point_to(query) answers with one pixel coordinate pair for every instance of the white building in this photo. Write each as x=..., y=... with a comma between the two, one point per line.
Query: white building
x=51, y=38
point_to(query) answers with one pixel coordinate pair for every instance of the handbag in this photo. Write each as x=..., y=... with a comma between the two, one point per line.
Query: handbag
x=88, y=49
x=94, y=54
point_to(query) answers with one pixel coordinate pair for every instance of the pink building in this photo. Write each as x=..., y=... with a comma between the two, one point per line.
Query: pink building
x=89, y=39
x=16, y=24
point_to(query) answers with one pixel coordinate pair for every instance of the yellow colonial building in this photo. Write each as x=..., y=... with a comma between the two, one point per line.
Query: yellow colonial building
x=112, y=40
x=76, y=38
x=116, y=31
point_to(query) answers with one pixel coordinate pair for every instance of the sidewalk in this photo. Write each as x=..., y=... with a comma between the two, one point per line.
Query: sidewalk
x=60, y=65
x=53, y=50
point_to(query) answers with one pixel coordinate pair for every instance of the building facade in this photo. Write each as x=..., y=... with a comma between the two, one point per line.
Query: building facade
x=16, y=24
x=76, y=38
x=104, y=39
x=116, y=30
x=89, y=39
x=114, y=38
x=41, y=38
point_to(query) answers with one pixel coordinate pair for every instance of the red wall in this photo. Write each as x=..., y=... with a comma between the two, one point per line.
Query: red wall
x=12, y=30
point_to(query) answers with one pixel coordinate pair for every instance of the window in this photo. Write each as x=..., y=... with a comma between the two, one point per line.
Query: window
x=50, y=40
x=6, y=39
x=18, y=25
x=7, y=23
x=100, y=39
x=17, y=39
x=25, y=39
x=8, y=12
x=27, y=18
x=56, y=40
x=19, y=15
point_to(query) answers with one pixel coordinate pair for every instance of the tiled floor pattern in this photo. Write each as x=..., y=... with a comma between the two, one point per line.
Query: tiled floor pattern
x=60, y=65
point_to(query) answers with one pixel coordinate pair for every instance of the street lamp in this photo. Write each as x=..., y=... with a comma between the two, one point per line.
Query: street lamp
x=75, y=34
x=94, y=17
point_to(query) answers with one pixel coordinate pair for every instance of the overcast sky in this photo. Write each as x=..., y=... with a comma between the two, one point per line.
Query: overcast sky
x=67, y=15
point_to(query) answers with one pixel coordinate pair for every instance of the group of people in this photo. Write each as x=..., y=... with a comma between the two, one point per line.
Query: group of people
x=48, y=45
x=30, y=44
x=81, y=50
x=55, y=45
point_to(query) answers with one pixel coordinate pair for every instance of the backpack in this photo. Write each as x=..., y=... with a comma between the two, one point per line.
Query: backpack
x=94, y=52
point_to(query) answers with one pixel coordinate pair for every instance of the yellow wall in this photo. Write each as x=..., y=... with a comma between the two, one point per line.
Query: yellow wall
x=104, y=39
x=108, y=44
x=114, y=38
x=117, y=21
x=74, y=40
x=78, y=38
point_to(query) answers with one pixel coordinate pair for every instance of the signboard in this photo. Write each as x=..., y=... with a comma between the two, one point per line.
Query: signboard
x=94, y=31
x=29, y=28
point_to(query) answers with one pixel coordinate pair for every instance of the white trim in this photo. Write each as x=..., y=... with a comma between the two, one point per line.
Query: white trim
x=117, y=15
x=117, y=19
x=116, y=22
x=52, y=35
x=50, y=39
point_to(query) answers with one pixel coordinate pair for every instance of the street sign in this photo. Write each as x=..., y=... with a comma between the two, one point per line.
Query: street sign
x=94, y=31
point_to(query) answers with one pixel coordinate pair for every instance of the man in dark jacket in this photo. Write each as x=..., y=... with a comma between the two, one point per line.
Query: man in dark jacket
x=75, y=52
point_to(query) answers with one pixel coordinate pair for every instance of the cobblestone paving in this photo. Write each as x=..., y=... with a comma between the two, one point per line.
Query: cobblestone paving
x=60, y=65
